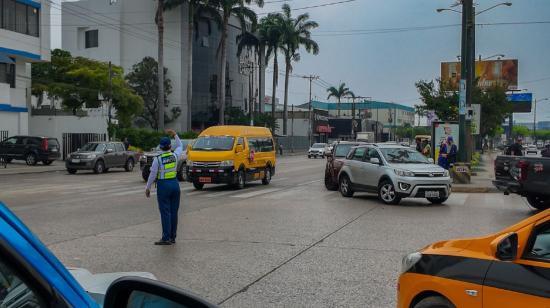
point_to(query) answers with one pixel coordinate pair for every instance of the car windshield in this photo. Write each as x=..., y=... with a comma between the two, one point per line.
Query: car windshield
x=214, y=143
x=318, y=145
x=342, y=150
x=403, y=156
x=93, y=147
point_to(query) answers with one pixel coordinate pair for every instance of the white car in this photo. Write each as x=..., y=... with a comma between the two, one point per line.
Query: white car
x=317, y=150
x=532, y=150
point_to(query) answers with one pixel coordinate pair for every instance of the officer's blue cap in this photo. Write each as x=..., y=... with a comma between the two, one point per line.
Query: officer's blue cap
x=164, y=142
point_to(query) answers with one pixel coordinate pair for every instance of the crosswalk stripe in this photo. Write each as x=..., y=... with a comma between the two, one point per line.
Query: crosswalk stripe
x=256, y=193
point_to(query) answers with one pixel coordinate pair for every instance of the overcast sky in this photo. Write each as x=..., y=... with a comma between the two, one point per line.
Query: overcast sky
x=385, y=65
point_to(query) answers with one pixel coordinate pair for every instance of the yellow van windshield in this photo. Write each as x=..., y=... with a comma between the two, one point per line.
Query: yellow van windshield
x=214, y=143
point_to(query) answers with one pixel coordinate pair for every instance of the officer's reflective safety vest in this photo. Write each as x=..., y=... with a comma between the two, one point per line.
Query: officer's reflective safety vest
x=168, y=164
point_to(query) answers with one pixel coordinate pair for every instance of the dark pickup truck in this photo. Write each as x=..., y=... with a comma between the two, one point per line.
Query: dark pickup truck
x=526, y=176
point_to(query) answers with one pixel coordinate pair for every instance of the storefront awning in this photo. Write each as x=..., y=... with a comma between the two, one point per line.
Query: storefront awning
x=5, y=59
x=325, y=129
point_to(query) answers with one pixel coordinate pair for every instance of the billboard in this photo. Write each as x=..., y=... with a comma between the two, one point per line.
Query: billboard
x=440, y=132
x=521, y=102
x=489, y=73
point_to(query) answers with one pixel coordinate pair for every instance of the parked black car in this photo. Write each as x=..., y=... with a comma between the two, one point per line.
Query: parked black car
x=31, y=149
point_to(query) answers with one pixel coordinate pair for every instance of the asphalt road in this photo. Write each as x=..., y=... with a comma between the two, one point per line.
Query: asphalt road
x=291, y=243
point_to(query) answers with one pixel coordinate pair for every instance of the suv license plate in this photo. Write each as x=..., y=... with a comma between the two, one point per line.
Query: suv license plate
x=432, y=194
x=205, y=179
x=76, y=161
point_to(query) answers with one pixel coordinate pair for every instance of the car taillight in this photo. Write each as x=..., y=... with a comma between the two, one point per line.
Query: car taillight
x=522, y=166
x=45, y=144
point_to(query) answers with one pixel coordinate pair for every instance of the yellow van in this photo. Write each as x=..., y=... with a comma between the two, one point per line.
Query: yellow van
x=231, y=155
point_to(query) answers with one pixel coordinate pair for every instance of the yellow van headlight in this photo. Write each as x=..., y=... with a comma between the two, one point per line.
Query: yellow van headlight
x=227, y=163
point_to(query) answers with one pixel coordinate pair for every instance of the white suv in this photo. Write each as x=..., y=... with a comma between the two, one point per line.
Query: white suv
x=393, y=172
x=317, y=150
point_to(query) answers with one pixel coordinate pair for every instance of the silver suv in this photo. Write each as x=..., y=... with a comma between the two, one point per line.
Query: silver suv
x=393, y=172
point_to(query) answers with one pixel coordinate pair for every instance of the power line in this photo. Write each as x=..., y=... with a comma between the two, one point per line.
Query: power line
x=312, y=6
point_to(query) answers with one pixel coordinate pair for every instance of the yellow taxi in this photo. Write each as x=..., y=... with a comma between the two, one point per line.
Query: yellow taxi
x=508, y=269
x=231, y=155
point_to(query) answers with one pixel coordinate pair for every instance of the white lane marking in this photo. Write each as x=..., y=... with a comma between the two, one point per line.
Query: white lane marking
x=278, y=180
x=256, y=193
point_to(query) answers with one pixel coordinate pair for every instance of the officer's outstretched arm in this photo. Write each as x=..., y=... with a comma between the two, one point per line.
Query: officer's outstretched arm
x=179, y=146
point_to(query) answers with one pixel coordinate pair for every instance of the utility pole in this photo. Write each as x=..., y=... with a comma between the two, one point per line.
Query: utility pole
x=466, y=76
x=310, y=129
x=292, y=130
x=110, y=115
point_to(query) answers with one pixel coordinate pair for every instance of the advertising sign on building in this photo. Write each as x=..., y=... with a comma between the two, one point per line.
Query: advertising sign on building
x=488, y=73
x=320, y=121
x=521, y=102
x=440, y=132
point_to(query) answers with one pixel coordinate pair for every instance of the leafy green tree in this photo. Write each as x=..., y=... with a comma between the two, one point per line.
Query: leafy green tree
x=271, y=31
x=80, y=82
x=520, y=131
x=143, y=80
x=338, y=93
x=245, y=15
x=296, y=33
x=437, y=96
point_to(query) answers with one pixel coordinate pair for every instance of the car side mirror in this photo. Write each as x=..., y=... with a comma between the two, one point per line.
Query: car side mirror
x=141, y=292
x=109, y=151
x=431, y=160
x=375, y=161
x=239, y=148
x=505, y=247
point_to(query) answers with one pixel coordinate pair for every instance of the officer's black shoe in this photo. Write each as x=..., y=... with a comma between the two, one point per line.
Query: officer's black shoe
x=163, y=243
x=172, y=241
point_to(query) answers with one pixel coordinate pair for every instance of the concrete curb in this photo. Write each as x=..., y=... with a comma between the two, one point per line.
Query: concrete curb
x=473, y=189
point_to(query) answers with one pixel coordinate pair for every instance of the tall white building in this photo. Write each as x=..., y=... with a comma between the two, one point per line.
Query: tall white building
x=24, y=39
x=124, y=32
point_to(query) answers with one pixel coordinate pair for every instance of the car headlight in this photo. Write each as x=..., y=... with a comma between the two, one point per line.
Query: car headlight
x=189, y=163
x=409, y=261
x=446, y=173
x=90, y=156
x=143, y=159
x=401, y=172
x=227, y=163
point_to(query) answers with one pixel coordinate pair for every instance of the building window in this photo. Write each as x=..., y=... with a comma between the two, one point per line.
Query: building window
x=8, y=18
x=7, y=74
x=33, y=21
x=19, y=17
x=91, y=38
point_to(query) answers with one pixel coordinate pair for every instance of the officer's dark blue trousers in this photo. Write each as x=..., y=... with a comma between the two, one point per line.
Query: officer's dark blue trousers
x=168, y=197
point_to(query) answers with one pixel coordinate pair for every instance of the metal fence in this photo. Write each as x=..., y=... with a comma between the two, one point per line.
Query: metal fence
x=293, y=144
x=72, y=141
x=3, y=134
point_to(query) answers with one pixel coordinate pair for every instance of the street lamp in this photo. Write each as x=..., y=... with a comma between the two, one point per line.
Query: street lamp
x=535, y=118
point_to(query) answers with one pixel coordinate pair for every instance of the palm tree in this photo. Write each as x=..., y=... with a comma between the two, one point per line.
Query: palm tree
x=162, y=5
x=296, y=33
x=271, y=29
x=245, y=16
x=338, y=93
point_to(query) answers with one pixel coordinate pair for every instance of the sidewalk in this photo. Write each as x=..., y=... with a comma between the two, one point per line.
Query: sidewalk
x=19, y=167
x=482, y=181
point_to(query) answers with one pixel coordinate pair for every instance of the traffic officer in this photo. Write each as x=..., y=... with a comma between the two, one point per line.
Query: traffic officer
x=164, y=170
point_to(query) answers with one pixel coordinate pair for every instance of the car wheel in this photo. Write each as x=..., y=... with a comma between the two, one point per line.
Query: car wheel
x=8, y=160
x=345, y=186
x=329, y=183
x=539, y=202
x=129, y=167
x=30, y=159
x=240, y=181
x=47, y=162
x=438, y=200
x=387, y=193
x=309, y=156
x=434, y=302
x=267, y=176
x=99, y=167
x=71, y=171
x=198, y=186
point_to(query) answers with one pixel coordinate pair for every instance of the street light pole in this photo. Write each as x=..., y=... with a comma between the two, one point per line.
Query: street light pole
x=465, y=77
x=310, y=129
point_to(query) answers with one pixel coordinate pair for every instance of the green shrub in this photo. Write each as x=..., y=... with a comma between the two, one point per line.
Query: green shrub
x=147, y=139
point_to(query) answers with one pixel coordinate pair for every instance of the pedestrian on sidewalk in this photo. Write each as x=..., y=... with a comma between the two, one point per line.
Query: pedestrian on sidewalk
x=164, y=170
x=281, y=149
x=126, y=143
x=447, y=153
x=426, y=149
x=516, y=149
x=419, y=146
